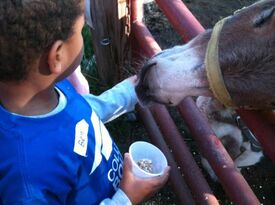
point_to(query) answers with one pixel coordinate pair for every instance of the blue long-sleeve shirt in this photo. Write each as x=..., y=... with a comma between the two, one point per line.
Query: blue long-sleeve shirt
x=114, y=102
x=119, y=100
x=38, y=165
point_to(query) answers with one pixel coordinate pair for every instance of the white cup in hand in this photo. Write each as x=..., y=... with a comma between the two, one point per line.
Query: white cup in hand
x=148, y=156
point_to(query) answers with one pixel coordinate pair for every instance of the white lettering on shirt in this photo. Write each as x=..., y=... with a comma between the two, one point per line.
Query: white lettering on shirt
x=115, y=173
x=103, y=142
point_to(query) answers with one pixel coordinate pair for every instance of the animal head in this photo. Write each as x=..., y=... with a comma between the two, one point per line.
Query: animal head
x=246, y=55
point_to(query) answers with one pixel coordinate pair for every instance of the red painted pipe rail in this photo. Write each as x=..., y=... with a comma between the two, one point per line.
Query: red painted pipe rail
x=178, y=184
x=210, y=146
x=192, y=174
x=181, y=18
x=146, y=45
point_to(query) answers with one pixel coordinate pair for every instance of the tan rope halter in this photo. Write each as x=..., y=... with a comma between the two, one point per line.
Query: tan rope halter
x=213, y=70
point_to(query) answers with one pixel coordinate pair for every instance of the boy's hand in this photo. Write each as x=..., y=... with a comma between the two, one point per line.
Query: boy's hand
x=133, y=79
x=138, y=189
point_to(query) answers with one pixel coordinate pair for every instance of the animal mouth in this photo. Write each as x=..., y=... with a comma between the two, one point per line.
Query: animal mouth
x=143, y=89
x=170, y=102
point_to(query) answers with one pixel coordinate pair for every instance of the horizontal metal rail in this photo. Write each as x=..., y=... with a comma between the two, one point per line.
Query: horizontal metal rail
x=179, y=186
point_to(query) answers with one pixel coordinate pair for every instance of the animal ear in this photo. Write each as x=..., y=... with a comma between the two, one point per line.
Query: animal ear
x=263, y=17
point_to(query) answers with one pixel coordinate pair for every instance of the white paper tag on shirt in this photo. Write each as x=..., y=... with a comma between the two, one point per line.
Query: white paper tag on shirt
x=81, y=138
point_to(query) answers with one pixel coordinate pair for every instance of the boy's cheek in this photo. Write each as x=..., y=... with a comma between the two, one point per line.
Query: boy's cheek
x=76, y=61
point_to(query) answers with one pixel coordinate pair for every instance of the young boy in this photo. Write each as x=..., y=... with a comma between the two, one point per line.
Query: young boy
x=54, y=148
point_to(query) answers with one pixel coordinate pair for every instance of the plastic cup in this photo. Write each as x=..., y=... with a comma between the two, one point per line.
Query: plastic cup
x=145, y=151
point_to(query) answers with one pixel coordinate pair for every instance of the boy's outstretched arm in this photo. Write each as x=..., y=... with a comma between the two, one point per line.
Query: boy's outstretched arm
x=115, y=101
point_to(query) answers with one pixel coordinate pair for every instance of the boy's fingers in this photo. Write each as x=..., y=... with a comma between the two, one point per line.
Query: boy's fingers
x=167, y=169
x=166, y=172
x=165, y=175
x=158, y=181
x=133, y=79
x=162, y=179
x=127, y=164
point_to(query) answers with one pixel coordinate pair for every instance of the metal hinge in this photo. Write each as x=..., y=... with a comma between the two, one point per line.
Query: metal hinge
x=128, y=17
x=255, y=144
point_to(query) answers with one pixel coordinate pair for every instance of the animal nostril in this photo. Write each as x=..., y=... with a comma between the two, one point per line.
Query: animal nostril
x=144, y=72
x=142, y=91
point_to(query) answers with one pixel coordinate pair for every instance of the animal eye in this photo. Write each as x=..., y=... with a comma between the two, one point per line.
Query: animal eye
x=263, y=17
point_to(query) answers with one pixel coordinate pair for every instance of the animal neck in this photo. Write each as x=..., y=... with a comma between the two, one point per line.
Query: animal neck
x=196, y=76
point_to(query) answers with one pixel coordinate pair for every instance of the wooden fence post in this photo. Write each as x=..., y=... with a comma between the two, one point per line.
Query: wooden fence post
x=110, y=37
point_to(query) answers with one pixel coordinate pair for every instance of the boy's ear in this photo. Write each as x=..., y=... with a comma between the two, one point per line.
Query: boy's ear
x=55, y=57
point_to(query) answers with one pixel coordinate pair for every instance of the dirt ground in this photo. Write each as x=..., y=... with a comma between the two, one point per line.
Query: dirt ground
x=208, y=12
x=261, y=177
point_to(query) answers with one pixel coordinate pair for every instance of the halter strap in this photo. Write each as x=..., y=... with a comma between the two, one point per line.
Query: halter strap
x=213, y=69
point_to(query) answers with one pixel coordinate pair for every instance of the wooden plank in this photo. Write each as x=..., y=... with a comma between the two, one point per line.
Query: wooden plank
x=110, y=38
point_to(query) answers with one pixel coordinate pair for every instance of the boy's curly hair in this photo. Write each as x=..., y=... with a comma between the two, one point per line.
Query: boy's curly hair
x=28, y=28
